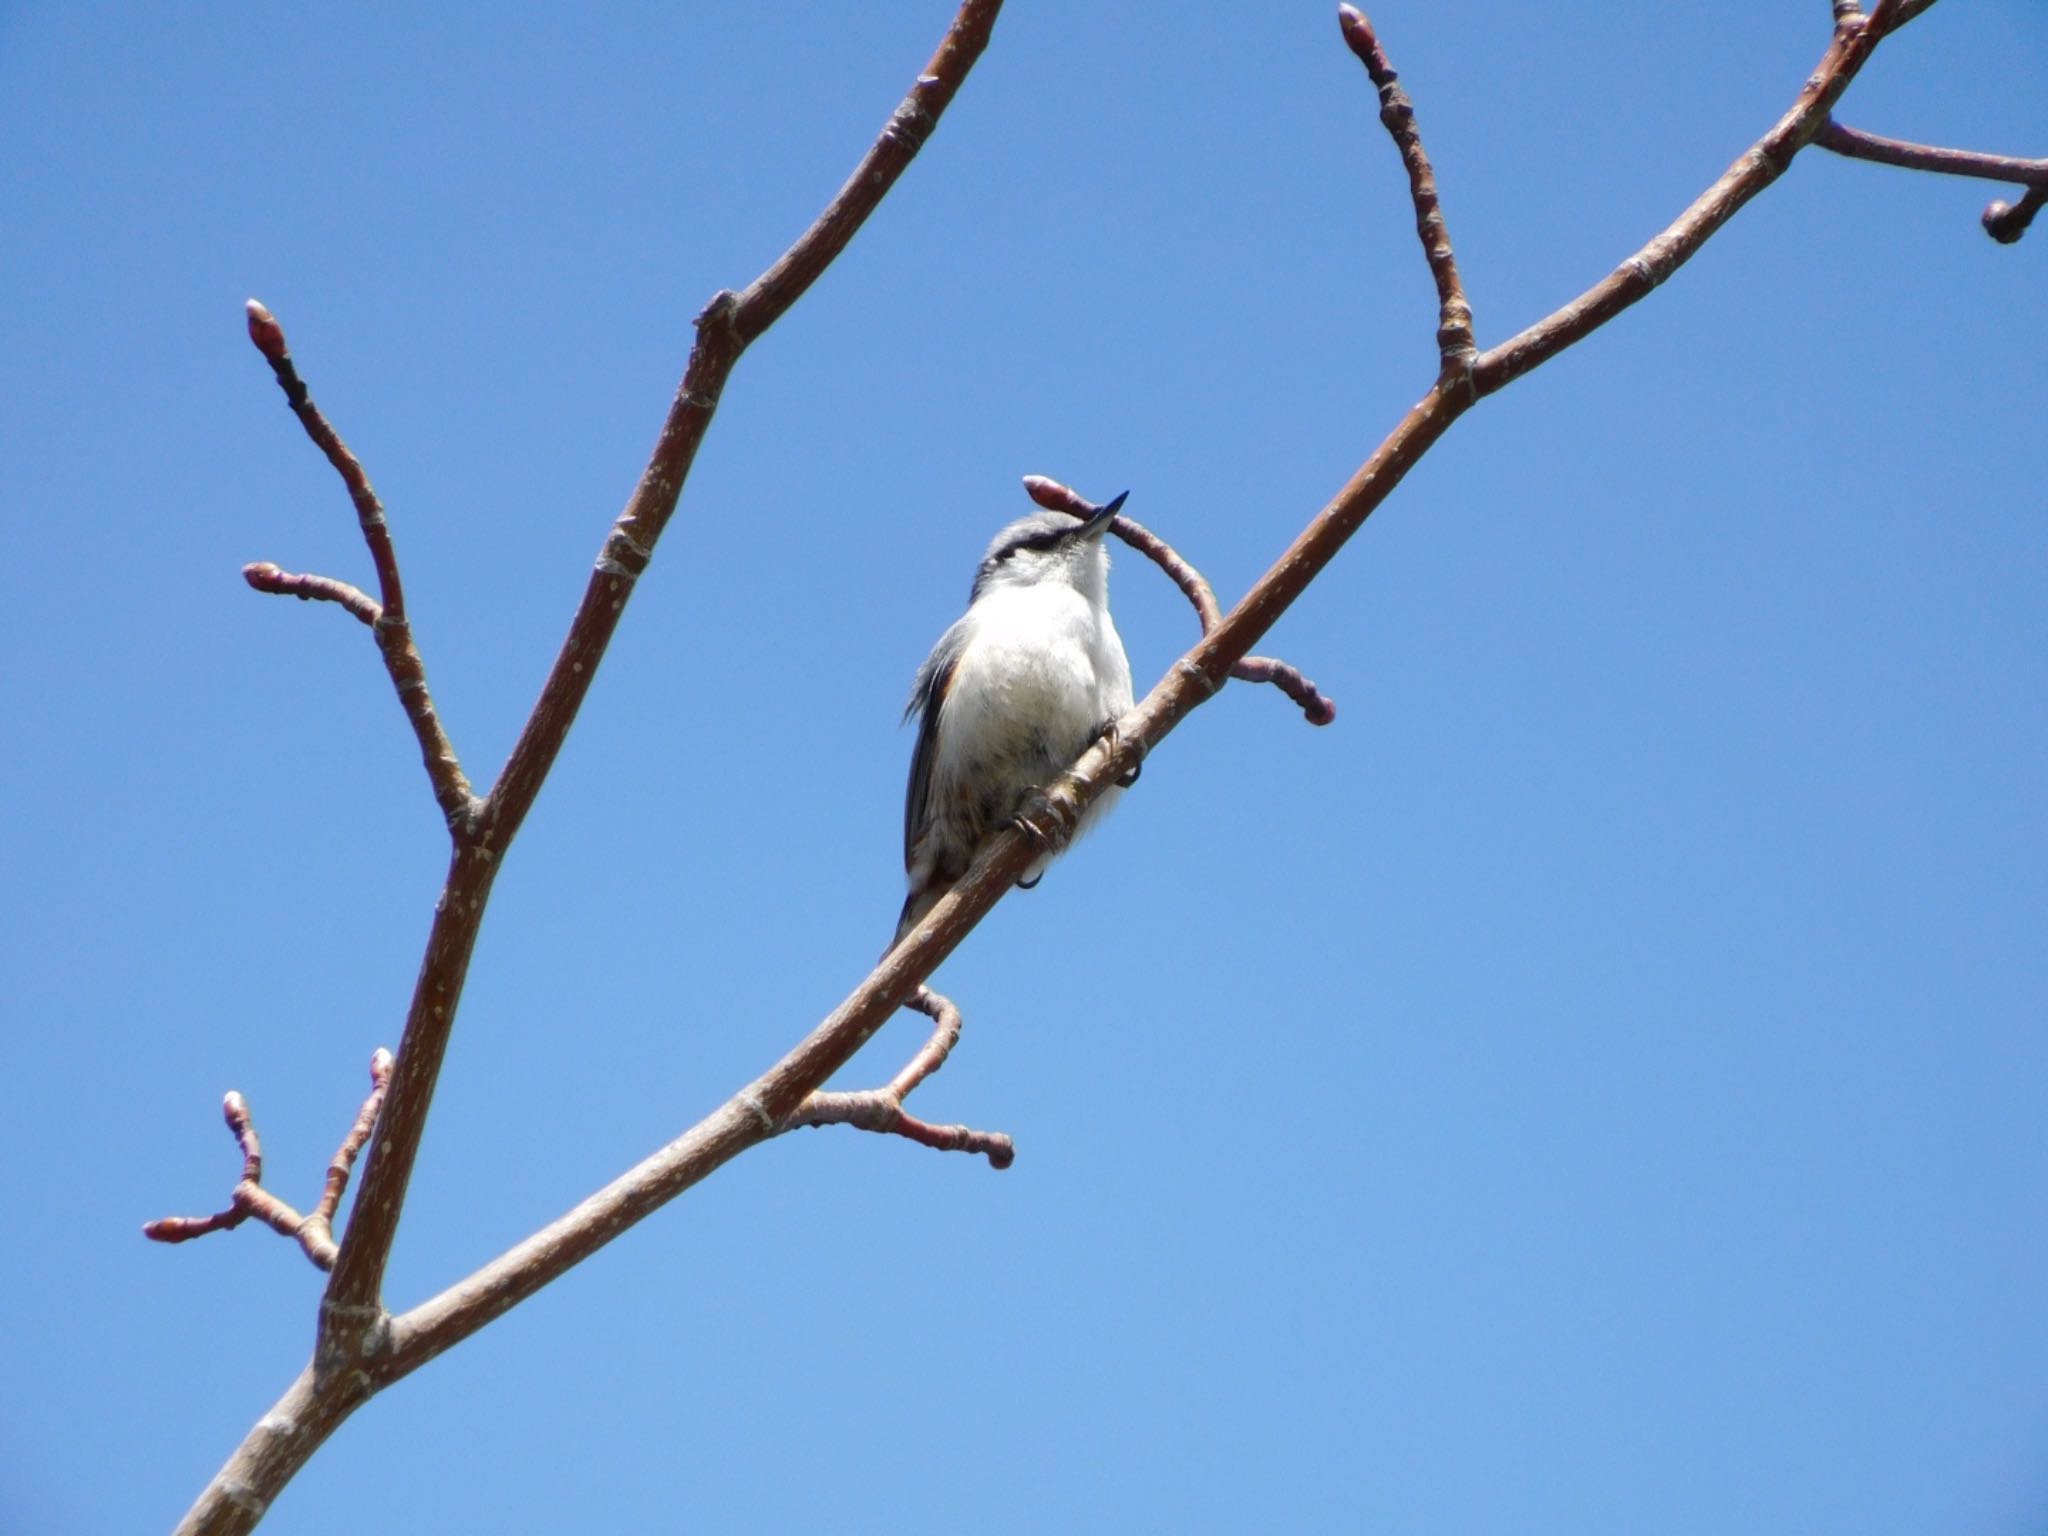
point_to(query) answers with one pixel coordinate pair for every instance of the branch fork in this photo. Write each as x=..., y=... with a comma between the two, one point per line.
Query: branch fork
x=314, y=1231
x=881, y=1109
x=385, y=614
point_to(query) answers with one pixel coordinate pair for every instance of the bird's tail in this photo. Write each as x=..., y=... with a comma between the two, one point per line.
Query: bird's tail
x=920, y=901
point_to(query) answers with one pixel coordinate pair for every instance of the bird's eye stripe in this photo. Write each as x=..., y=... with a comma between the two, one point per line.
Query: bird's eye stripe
x=1036, y=541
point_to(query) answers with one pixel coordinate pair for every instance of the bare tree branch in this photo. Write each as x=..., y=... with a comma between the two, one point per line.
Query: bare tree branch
x=317, y=1236
x=360, y=1348
x=313, y=1231
x=1856, y=35
x=352, y=1352
x=265, y=577
x=391, y=627
x=764, y=1105
x=1317, y=706
x=1397, y=113
x=2005, y=222
x=881, y=1109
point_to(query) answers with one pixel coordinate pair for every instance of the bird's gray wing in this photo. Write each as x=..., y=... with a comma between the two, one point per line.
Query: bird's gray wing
x=927, y=699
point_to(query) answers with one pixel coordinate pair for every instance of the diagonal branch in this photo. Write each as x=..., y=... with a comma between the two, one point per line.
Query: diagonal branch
x=881, y=1109
x=753, y=1114
x=1856, y=36
x=2005, y=222
x=1318, y=706
x=724, y=329
x=315, y=1230
x=391, y=627
x=1397, y=113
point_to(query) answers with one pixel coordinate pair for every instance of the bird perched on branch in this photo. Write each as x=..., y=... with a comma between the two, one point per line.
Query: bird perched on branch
x=1011, y=695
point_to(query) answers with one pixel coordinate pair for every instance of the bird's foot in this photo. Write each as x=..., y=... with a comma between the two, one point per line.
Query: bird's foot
x=1113, y=734
x=1048, y=818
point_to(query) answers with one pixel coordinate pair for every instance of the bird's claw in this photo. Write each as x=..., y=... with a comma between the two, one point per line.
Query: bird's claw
x=1047, y=819
x=1113, y=734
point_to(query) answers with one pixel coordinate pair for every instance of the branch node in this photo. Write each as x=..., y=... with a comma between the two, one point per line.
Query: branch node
x=1197, y=676
x=760, y=1112
x=910, y=124
x=716, y=316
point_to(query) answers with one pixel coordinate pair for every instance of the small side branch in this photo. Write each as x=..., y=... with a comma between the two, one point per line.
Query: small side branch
x=2004, y=222
x=390, y=625
x=881, y=1109
x=317, y=1235
x=1454, y=315
x=265, y=577
x=1316, y=705
x=314, y=1231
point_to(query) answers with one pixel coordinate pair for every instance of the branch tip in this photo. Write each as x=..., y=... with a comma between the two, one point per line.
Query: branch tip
x=266, y=332
x=266, y=577
x=2006, y=222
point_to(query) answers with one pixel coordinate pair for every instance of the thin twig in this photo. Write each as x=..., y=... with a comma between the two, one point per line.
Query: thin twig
x=1397, y=114
x=391, y=627
x=249, y=1198
x=881, y=1109
x=314, y=1232
x=2005, y=222
x=265, y=577
x=1317, y=706
x=317, y=1235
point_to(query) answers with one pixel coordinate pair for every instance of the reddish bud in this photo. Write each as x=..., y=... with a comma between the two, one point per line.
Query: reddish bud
x=265, y=331
x=1054, y=497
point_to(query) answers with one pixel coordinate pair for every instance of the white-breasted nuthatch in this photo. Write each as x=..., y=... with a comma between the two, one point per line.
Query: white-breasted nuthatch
x=1011, y=695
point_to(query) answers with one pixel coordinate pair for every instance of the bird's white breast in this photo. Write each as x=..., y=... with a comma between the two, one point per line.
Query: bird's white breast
x=1038, y=659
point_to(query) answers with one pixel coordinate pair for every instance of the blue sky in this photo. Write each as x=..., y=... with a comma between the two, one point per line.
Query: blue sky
x=1595, y=1086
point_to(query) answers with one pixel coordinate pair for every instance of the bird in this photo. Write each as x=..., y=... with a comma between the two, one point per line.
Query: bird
x=1017, y=689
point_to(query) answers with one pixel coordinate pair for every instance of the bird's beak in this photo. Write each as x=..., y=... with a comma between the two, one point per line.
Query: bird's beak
x=1097, y=525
